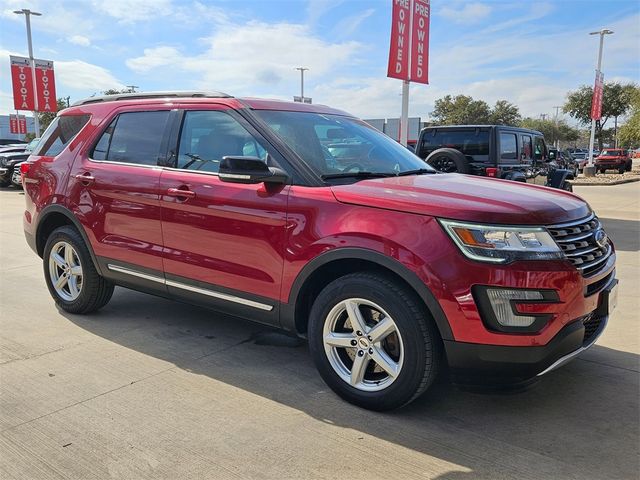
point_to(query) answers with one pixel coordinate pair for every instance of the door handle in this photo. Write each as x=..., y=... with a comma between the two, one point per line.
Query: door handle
x=178, y=192
x=86, y=178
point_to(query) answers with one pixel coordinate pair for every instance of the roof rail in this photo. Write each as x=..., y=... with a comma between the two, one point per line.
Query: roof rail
x=145, y=95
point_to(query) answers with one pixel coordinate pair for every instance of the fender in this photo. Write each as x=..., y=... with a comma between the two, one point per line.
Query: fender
x=56, y=208
x=558, y=177
x=288, y=309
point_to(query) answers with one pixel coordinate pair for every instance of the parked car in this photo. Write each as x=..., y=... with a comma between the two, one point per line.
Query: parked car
x=391, y=270
x=13, y=148
x=495, y=151
x=561, y=160
x=8, y=162
x=10, y=141
x=613, y=159
x=16, y=176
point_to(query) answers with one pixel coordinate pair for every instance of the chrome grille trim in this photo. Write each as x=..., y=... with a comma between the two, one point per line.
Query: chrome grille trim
x=577, y=242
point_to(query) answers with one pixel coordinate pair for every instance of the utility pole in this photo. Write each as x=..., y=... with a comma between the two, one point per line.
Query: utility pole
x=557, y=130
x=302, y=70
x=67, y=99
x=543, y=116
x=132, y=88
x=27, y=13
x=589, y=169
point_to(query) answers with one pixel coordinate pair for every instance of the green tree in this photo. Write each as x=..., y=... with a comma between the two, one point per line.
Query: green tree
x=551, y=130
x=113, y=91
x=616, y=101
x=505, y=113
x=629, y=135
x=460, y=110
x=45, y=118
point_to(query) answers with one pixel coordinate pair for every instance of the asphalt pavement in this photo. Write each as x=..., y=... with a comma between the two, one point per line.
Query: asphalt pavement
x=154, y=389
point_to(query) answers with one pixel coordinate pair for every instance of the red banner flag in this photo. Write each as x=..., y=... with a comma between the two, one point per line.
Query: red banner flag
x=23, y=96
x=596, y=100
x=22, y=124
x=45, y=86
x=13, y=124
x=420, y=41
x=399, y=49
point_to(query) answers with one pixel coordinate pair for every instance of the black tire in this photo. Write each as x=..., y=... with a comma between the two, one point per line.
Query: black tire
x=420, y=340
x=628, y=167
x=5, y=183
x=621, y=170
x=96, y=291
x=448, y=160
x=567, y=186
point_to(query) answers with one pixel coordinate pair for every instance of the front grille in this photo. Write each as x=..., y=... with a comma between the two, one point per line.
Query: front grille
x=591, y=326
x=577, y=242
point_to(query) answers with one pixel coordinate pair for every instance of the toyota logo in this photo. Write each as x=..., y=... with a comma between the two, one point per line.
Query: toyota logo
x=601, y=238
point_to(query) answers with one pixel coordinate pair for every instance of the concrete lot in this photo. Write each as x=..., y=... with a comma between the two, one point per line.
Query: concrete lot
x=149, y=388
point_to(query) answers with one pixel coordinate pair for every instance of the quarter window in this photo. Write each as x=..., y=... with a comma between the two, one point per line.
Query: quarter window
x=135, y=137
x=508, y=146
x=207, y=136
x=527, y=148
x=60, y=133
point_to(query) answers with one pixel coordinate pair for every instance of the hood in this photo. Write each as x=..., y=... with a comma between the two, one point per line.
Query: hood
x=468, y=198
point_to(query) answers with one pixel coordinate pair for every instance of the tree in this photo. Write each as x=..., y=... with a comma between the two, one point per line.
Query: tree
x=551, y=130
x=113, y=91
x=630, y=131
x=505, y=113
x=460, y=110
x=616, y=101
x=45, y=118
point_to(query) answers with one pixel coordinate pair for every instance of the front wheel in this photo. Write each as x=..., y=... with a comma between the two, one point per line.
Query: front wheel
x=72, y=278
x=373, y=342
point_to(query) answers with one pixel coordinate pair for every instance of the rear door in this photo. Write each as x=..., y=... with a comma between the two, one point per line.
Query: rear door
x=113, y=187
x=224, y=242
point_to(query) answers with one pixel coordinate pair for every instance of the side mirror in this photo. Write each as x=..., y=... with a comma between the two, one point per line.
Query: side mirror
x=249, y=170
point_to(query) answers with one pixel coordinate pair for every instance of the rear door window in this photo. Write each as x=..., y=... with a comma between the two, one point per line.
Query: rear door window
x=539, y=148
x=508, y=147
x=134, y=137
x=526, y=147
x=59, y=134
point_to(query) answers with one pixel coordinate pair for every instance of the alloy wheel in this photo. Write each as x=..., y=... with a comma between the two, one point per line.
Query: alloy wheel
x=65, y=271
x=363, y=344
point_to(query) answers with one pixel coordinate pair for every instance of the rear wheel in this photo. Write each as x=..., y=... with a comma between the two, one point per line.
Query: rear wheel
x=372, y=341
x=621, y=170
x=72, y=279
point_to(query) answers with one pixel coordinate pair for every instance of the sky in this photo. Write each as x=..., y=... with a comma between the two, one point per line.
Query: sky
x=528, y=52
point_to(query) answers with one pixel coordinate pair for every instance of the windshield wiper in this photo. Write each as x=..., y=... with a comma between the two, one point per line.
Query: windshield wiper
x=418, y=171
x=357, y=175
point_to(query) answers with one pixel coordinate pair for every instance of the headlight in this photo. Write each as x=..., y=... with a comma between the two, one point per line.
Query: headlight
x=500, y=244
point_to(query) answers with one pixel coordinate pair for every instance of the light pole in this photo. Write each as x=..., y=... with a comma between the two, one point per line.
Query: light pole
x=589, y=169
x=557, y=129
x=302, y=70
x=27, y=13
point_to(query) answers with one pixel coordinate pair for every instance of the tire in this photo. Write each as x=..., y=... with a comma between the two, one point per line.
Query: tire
x=448, y=160
x=413, y=347
x=621, y=170
x=5, y=183
x=83, y=293
x=568, y=187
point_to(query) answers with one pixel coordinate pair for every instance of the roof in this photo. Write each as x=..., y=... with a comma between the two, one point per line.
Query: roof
x=204, y=96
x=507, y=127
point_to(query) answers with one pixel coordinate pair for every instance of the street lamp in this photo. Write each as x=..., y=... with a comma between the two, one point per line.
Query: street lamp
x=27, y=13
x=589, y=169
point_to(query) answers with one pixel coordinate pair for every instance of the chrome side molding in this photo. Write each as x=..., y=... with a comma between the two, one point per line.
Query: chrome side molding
x=202, y=291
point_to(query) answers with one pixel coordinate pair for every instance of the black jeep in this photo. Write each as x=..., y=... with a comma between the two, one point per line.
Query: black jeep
x=499, y=151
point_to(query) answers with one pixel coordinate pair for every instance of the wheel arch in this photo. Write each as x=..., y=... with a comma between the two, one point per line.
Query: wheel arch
x=55, y=216
x=333, y=264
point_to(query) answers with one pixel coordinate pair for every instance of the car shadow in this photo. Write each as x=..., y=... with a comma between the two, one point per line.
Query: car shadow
x=580, y=420
x=625, y=234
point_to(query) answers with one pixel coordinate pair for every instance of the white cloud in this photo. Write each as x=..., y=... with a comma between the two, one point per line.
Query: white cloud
x=79, y=40
x=79, y=75
x=250, y=57
x=128, y=11
x=317, y=8
x=468, y=13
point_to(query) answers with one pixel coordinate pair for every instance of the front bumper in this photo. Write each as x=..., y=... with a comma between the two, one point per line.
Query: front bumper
x=478, y=363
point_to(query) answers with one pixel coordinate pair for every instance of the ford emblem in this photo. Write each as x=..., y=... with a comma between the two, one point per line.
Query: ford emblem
x=601, y=238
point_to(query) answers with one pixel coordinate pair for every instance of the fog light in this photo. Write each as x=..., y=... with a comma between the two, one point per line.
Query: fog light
x=502, y=305
x=497, y=307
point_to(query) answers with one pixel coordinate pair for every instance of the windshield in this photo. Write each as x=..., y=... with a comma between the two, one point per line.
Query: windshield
x=335, y=145
x=611, y=153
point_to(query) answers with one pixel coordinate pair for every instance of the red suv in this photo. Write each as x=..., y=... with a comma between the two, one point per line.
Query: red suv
x=305, y=218
x=613, y=159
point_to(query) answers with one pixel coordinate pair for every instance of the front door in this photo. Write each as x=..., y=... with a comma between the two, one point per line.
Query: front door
x=223, y=242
